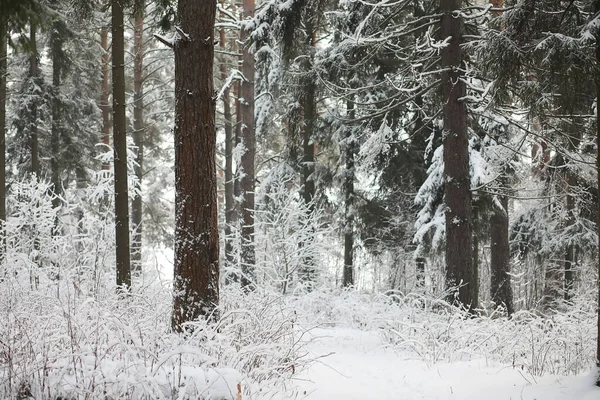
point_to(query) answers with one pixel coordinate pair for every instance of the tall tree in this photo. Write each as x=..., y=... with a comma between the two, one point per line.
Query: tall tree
x=120, y=147
x=597, y=10
x=138, y=132
x=229, y=141
x=248, y=132
x=349, y=177
x=457, y=194
x=3, y=78
x=105, y=90
x=501, y=290
x=34, y=75
x=196, y=275
x=57, y=54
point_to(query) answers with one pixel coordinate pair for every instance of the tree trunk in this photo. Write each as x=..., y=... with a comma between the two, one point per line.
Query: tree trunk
x=105, y=92
x=501, y=289
x=420, y=266
x=33, y=74
x=138, y=134
x=597, y=9
x=196, y=276
x=570, y=250
x=229, y=201
x=57, y=54
x=120, y=148
x=348, y=280
x=475, y=258
x=3, y=77
x=248, y=257
x=307, y=272
x=457, y=193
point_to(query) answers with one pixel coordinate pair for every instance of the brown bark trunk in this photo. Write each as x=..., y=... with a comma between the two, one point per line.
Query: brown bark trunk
x=229, y=201
x=56, y=115
x=570, y=250
x=457, y=196
x=248, y=257
x=420, y=266
x=475, y=259
x=3, y=78
x=138, y=135
x=501, y=289
x=120, y=148
x=33, y=74
x=597, y=9
x=348, y=279
x=105, y=91
x=196, y=276
x=307, y=272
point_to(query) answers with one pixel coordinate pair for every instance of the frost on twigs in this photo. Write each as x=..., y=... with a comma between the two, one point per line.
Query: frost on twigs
x=65, y=333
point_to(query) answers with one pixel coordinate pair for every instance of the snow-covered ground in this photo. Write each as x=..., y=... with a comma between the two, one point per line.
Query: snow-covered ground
x=357, y=365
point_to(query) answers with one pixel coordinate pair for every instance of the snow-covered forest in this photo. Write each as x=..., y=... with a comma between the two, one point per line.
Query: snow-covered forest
x=299, y=199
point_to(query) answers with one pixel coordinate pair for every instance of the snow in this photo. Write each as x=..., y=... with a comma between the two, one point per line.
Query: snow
x=357, y=365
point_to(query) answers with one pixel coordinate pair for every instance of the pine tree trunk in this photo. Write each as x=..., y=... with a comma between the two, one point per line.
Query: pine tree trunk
x=33, y=74
x=501, y=289
x=105, y=92
x=3, y=77
x=597, y=9
x=420, y=267
x=475, y=303
x=138, y=134
x=570, y=249
x=248, y=257
x=229, y=201
x=196, y=275
x=457, y=195
x=348, y=279
x=307, y=272
x=120, y=148
x=56, y=55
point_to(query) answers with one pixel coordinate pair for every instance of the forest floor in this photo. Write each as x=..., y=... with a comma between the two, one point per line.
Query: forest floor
x=357, y=365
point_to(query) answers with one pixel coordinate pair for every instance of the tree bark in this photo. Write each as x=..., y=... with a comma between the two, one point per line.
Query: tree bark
x=457, y=193
x=570, y=249
x=138, y=134
x=307, y=272
x=196, y=275
x=248, y=257
x=3, y=78
x=420, y=267
x=120, y=148
x=475, y=303
x=501, y=289
x=57, y=54
x=229, y=200
x=348, y=279
x=33, y=74
x=597, y=9
x=105, y=91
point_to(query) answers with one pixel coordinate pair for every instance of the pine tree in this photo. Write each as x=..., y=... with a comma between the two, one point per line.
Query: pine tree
x=248, y=140
x=120, y=147
x=3, y=78
x=138, y=133
x=457, y=194
x=196, y=276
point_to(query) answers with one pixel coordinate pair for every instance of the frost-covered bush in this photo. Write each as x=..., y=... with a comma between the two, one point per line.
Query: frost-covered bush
x=561, y=344
x=430, y=329
x=65, y=333
x=74, y=346
x=291, y=235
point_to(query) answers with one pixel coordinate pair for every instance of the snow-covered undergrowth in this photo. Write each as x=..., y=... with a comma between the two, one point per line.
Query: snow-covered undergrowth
x=433, y=331
x=65, y=333
x=75, y=346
